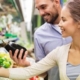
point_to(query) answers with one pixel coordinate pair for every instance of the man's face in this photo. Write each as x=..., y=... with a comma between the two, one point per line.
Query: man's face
x=47, y=10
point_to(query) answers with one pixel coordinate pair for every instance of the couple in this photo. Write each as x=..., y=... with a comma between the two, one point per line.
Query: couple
x=66, y=57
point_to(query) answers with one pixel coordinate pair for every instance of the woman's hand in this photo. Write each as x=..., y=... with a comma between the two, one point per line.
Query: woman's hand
x=18, y=60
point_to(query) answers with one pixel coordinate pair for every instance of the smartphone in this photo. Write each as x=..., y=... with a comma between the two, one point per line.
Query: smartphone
x=12, y=46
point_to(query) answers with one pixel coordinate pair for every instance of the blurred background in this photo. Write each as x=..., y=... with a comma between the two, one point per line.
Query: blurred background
x=18, y=21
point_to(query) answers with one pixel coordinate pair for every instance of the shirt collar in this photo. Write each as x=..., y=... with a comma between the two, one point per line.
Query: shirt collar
x=56, y=27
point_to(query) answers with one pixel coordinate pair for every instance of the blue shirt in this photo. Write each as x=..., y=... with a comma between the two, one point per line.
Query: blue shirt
x=73, y=71
x=47, y=38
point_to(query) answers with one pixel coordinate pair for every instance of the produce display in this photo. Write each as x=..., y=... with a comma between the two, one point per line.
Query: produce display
x=5, y=60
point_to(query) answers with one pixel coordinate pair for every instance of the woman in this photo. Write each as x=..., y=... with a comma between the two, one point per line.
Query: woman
x=66, y=57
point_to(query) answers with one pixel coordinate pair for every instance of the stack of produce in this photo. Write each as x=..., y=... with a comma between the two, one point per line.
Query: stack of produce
x=5, y=60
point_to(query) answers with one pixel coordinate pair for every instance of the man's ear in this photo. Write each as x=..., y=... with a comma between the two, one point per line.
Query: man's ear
x=57, y=3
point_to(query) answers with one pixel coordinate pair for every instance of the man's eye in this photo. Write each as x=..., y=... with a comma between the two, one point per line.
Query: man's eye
x=63, y=20
x=43, y=7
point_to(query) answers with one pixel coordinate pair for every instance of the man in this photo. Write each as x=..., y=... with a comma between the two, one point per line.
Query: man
x=48, y=36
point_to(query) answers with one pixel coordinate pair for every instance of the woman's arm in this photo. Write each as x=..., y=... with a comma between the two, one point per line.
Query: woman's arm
x=4, y=72
x=37, y=68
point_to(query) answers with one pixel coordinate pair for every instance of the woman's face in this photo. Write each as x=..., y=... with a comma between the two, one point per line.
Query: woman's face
x=67, y=24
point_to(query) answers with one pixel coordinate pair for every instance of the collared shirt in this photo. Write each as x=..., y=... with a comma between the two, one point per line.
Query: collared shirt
x=47, y=38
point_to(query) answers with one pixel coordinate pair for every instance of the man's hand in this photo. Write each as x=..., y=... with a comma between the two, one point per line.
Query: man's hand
x=19, y=61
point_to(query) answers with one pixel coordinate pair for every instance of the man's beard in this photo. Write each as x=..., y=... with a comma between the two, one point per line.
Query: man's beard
x=53, y=19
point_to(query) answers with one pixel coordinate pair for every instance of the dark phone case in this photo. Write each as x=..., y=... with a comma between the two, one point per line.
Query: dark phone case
x=13, y=47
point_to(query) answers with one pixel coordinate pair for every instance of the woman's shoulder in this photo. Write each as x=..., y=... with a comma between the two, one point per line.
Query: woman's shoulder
x=65, y=46
x=59, y=53
x=61, y=50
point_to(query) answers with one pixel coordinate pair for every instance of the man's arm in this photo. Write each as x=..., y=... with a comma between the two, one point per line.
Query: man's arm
x=39, y=51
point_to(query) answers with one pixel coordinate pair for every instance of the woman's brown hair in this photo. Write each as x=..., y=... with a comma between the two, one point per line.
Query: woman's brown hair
x=74, y=8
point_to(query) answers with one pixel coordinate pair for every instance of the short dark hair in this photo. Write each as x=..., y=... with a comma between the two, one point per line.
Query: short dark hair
x=74, y=8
